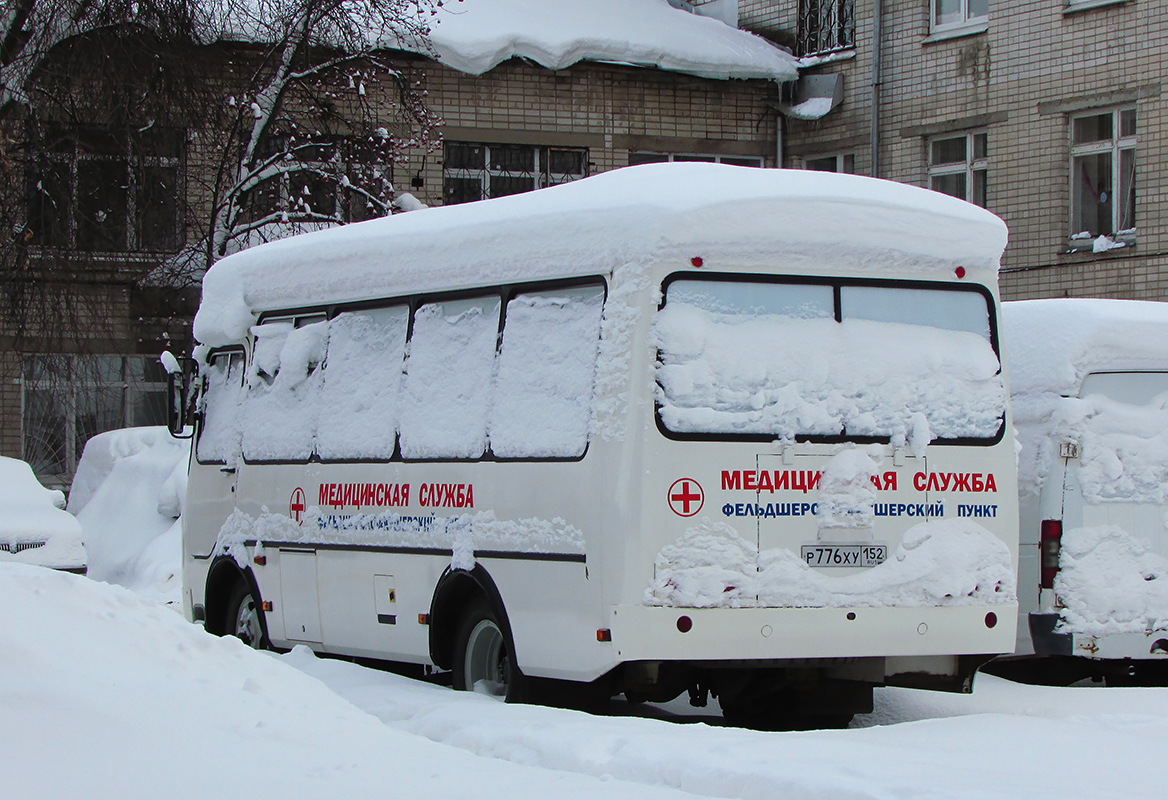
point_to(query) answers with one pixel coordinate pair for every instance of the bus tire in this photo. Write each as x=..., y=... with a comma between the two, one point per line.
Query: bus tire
x=244, y=619
x=483, y=655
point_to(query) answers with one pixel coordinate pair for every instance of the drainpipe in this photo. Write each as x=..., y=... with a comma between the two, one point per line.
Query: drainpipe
x=779, y=134
x=874, y=133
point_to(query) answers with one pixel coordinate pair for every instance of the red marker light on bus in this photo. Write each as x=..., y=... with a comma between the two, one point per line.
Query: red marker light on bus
x=991, y=619
x=696, y=261
x=959, y=272
x=684, y=624
x=603, y=635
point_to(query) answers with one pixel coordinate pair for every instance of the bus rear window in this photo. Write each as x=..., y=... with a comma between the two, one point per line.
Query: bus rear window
x=827, y=361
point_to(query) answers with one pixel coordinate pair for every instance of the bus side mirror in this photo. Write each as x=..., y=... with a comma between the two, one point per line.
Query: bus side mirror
x=180, y=375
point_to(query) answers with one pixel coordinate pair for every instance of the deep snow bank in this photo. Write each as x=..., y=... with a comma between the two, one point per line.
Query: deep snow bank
x=107, y=695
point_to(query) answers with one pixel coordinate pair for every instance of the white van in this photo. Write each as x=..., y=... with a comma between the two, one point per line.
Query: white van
x=1089, y=383
x=673, y=427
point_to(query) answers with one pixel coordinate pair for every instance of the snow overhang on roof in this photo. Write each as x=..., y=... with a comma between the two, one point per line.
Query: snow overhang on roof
x=474, y=36
x=740, y=217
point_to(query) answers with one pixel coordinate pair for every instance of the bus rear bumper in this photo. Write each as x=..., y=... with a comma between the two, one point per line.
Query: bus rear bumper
x=653, y=633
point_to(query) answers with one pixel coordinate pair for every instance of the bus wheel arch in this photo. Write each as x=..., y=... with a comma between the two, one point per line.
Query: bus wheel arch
x=227, y=587
x=460, y=594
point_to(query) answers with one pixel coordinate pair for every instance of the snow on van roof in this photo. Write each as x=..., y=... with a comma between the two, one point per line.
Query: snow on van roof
x=474, y=36
x=730, y=216
x=1050, y=345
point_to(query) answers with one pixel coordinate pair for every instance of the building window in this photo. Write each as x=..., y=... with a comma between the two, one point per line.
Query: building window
x=68, y=399
x=949, y=14
x=660, y=158
x=474, y=171
x=845, y=162
x=958, y=166
x=325, y=179
x=96, y=190
x=826, y=26
x=1103, y=176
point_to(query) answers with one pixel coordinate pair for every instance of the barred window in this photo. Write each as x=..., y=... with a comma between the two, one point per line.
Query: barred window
x=475, y=171
x=68, y=399
x=656, y=158
x=826, y=26
x=325, y=179
x=99, y=190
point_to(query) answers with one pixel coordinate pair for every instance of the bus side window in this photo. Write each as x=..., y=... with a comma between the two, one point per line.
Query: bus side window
x=281, y=402
x=219, y=432
x=449, y=368
x=361, y=396
x=543, y=393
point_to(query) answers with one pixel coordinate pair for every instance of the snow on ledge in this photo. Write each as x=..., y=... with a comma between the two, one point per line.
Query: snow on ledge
x=474, y=36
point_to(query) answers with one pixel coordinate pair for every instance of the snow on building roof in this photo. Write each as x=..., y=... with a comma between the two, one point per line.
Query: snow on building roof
x=1050, y=345
x=731, y=216
x=474, y=36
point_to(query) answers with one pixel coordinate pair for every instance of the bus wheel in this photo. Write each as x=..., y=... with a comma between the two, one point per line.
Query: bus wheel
x=482, y=658
x=243, y=617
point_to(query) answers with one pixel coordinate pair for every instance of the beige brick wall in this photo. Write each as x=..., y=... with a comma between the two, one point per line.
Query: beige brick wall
x=1018, y=80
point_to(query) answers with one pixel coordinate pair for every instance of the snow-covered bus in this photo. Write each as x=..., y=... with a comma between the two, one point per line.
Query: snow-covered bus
x=1090, y=397
x=679, y=427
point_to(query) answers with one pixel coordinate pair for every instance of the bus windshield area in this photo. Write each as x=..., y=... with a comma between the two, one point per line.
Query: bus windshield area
x=829, y=361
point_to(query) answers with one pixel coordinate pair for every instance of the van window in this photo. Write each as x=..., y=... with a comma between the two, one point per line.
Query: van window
x=219, y=432
x=771, y=359
x=360, y=398
x=543, y=393
x=280, y=405
x=449, y=368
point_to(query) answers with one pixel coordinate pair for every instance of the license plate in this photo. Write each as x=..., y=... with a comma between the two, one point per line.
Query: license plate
x=844, y=555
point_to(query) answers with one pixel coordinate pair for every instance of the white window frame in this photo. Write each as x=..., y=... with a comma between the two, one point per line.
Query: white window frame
x=970, y=167
x=967, y=19
x=1113, y=147
x=842, y=164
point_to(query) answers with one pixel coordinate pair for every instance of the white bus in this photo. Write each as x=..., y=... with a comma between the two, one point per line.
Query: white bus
x=678, y=427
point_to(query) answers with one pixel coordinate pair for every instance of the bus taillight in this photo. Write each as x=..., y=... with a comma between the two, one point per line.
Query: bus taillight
x=1050, y=542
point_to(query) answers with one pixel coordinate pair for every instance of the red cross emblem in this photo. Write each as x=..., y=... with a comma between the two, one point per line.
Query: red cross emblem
x=686, y=497
x=296, y=507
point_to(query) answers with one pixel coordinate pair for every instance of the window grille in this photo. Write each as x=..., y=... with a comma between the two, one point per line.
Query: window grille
x=826, y=26
x=475, y=171
x=68, y=399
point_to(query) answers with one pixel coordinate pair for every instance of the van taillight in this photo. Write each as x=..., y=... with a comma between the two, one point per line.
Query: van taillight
x=1050, y=541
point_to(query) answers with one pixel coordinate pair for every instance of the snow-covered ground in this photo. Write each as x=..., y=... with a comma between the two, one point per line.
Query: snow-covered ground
x=108, y=694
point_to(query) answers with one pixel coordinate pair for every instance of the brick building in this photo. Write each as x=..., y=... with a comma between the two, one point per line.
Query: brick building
x=519, y=125
x=1047, y=112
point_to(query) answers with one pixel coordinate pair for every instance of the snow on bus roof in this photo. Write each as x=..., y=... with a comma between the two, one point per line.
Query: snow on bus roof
x=730, y=216
x=1050, y=345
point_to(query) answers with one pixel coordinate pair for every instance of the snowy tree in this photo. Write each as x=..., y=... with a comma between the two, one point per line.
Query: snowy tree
x=141, y=140
x=318, y=117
